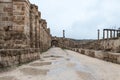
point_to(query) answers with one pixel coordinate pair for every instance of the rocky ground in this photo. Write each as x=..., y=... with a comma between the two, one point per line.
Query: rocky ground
x=58, y=64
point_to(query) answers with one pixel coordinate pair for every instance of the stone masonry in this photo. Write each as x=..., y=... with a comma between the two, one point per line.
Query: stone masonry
x=23, y=34
x=63, y=42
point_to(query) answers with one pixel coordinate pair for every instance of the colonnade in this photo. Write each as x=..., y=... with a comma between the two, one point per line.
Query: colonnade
x=110, y=33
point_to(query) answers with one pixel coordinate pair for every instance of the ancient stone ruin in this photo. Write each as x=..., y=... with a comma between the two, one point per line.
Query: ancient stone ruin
x=23, y=33
x=107, y=49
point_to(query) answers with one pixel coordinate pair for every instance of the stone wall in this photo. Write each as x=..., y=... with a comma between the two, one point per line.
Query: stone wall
x=23, y=34
x=107, y=49
x=103, y=55
x=11, y=57
x=45, y=36
x=14, y=24
x=34, y=18
x=63, y=42
x=110, y=45
x=40, y=35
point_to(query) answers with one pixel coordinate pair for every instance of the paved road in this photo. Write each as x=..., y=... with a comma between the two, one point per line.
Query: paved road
x=58, y=64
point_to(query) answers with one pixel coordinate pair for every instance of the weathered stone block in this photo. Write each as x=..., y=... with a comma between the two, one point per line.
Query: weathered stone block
x=0, y=58
x=79, y=50
x=82, y=51
x=15, y=34
x=92, y=53
x=99, y=54
x=2, y=41
x=118, y=59
x=106, y=56
x=10, y=14
x=4, y=18
x=5, y=1
x=7, y=9
x=87, y=52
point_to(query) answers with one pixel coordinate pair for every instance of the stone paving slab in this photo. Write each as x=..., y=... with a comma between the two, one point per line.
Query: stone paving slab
x=64, y=65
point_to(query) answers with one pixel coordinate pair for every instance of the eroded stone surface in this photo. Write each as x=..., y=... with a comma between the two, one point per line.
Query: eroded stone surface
x=34, y=71
x=23, y=33
x=79, y=67
x=8, y=78
x=85, y=76
x=41, y=64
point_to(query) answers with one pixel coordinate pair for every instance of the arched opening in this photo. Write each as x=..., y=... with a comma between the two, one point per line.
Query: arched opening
x=54, y=43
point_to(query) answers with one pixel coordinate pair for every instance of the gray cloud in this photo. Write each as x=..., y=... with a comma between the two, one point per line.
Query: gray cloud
x=80, y=18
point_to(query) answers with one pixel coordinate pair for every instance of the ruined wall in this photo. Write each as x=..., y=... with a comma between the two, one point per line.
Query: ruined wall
x=21, y=21
x=63, y=42
x=13, y=57
x=103, y=55
x=110, y=45
x=6, y=17
x=45, y=37
x=22, y=33
x=40, y=35
x=14, y=24
x=35, y=17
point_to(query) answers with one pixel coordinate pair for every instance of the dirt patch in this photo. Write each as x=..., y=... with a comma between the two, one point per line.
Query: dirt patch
x=53, y=59
x=7, y=78
x=41, y=64
x=52, y=56
x=85, y=76
x=58, y=56
x=71, y=64
x=67, y=59
x=34, y=72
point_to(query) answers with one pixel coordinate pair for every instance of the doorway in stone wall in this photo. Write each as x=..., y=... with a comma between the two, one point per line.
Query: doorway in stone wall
x=54, y=43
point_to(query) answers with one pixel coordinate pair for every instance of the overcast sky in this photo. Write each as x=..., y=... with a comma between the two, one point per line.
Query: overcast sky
x=79, y=18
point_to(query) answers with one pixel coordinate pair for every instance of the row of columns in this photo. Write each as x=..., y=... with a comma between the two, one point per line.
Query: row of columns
x=109, y=33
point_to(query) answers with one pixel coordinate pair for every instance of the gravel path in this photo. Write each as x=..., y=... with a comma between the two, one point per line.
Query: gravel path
x=58, y=64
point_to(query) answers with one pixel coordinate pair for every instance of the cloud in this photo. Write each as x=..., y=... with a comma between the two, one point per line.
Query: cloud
x=80, y=18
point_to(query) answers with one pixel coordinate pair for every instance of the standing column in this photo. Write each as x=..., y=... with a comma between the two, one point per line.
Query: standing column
x=114, y=33
x=117, y=33
x=63, y=33
x=107, y=34
x=98, y=34
x=103, y=33
x=111, y=34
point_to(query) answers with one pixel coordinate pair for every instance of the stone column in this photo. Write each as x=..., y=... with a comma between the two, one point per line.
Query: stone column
x=114, y=33
x=107, y=34
x=98, y=34
x=111, y=34
x=117, y=33
x=103, y=34
x=63, y=33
